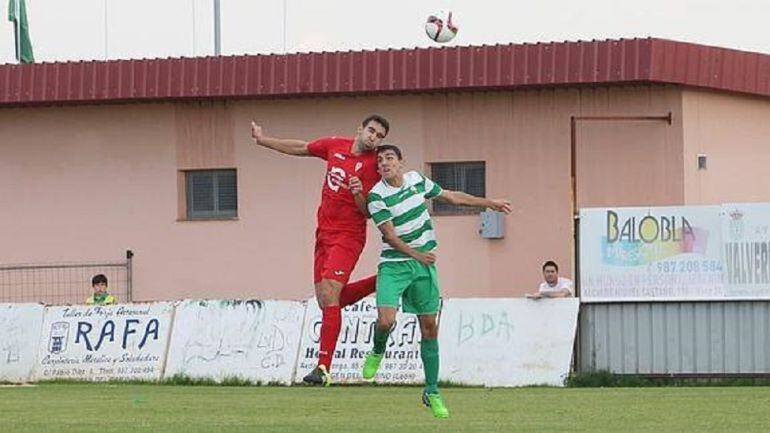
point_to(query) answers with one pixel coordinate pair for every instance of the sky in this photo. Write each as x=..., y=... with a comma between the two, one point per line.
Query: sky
x=122, y=29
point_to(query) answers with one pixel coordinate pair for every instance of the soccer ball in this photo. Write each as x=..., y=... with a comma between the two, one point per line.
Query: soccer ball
x=440, y=27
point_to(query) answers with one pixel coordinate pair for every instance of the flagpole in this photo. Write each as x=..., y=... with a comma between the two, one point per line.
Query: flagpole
x=193, y=28
x=285, y=8
x=18, y=31
x=217, y=30
x=106, y=36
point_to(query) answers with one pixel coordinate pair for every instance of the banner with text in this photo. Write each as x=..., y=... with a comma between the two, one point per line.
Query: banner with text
x=746, y=250
x=20, y=326
x=255, y=340
x=115, y=342
x=651, y=253
x=402, y=363
x=492, y=342
x=507, y=342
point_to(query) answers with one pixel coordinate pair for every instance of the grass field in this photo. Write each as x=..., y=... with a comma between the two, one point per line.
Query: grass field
x=188, y=409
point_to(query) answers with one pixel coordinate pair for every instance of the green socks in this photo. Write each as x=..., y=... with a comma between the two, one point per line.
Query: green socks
x=429, y=355
x=380, y=340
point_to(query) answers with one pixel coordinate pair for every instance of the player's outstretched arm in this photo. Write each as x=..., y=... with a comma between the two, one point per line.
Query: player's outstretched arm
x=284, y=145
x=389, y=236
x=461, y=198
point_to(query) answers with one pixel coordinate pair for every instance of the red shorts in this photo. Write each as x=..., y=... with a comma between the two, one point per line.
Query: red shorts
x=336, y=254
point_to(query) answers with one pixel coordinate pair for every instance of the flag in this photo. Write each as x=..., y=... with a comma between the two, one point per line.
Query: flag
x=17, y=14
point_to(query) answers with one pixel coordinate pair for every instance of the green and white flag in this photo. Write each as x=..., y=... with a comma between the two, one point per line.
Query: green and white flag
x=17, y=14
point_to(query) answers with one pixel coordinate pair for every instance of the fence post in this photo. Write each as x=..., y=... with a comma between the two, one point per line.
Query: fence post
x=129, y=275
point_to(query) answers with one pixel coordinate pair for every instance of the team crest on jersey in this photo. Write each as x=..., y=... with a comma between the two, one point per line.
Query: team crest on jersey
x=359, y=164
x=339, y=156
x=335, y=177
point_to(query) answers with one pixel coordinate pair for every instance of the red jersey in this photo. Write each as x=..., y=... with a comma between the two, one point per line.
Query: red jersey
x=338, y=210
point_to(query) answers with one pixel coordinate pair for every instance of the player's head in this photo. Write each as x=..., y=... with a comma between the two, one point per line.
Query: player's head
x=99, y=283
x=371, y=132
x=390, y=162
x=551, y=272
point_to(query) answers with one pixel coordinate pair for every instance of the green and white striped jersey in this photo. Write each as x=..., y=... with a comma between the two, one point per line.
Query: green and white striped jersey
x=405, y=207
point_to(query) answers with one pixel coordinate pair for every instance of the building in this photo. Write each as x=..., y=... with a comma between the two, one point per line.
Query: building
x=100, y=157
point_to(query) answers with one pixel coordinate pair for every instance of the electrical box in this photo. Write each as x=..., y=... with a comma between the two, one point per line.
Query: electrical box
x=701, y=161
x=492, y=225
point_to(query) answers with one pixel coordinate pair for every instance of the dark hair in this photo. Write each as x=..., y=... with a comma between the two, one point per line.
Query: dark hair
x=379, y=119
x=550, y=263
x=385, y=147
x=97, y=279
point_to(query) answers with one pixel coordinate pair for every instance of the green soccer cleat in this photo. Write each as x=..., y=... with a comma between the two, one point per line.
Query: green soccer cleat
x=319, y=376
x=436, y=404
x=371, y=365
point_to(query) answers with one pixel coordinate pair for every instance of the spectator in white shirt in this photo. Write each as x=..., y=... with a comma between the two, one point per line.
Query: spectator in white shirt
x=554, y=286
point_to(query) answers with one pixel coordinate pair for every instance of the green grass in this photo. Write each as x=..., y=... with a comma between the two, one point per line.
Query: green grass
x=153, y=408
x=604, y=378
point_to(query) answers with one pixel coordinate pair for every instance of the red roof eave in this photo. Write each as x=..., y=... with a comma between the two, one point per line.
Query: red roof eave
x=387, y=72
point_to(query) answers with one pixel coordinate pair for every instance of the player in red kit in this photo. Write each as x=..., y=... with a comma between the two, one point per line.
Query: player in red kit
x=351, y=164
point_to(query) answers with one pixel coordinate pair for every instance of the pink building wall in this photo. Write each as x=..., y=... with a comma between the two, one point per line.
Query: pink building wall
x=88, y=182
x=626, y=154
x=733, y=131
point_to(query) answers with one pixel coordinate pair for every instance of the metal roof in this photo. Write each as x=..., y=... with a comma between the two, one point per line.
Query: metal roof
x=497, y=67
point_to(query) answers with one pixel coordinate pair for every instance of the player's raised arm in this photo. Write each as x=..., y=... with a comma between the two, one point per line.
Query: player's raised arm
x=389, y=235
x=284, y=145
x=464, y=199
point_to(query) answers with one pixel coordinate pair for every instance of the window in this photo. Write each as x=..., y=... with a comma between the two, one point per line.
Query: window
x=468, y=177
x=211, y=194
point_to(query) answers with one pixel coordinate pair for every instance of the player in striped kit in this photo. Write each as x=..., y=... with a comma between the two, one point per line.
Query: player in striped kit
x=407, y=268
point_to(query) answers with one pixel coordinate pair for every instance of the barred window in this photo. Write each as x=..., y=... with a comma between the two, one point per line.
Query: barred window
x=211, y=194
x=469, y=177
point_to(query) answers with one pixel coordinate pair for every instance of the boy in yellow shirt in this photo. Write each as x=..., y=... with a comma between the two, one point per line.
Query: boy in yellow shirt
x=100, y=296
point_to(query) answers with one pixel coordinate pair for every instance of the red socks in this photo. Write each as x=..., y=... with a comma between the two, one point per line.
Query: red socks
x=331, y=322
x=357, y=290
x=331, y=319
